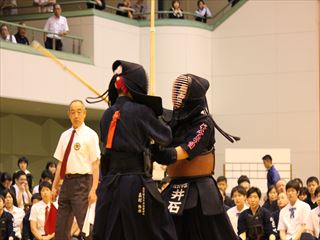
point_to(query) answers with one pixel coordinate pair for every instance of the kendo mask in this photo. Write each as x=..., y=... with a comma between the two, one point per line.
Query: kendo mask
x=189, y=99
x=189, y=96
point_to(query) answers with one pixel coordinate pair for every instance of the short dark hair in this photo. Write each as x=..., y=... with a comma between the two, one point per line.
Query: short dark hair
x=222, y=179
x=199, y=1
x=254, y=190
x=22, y=25
x=304, y=191
x=5, y=176
x=299, y=181
x=267, y=157
x=270, y=189
x=293, y=184
x=46, y=185
x=243, y=178
x=11, y=193
x=23, y=159
x=46, y=174
x=50, y=163
x=238, y=189
x=36, y=196
x=2, y=198
x=19, y=173
x=312, y=179
x=317, y=191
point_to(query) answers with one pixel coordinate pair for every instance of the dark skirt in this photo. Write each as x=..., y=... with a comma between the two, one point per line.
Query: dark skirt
x=130, y=207
x=197, y=209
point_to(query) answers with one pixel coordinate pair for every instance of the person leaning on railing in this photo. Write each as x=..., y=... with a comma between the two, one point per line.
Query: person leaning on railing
x=5, y=35
x=99, y=4
x=125, y=9
x=8, y=7
x=176, y=11
x=56, y=24
x=203, y=12
x=140, y=10
x=21, y=35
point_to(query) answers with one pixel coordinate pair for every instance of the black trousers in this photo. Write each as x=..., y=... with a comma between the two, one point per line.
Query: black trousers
x=49, y=44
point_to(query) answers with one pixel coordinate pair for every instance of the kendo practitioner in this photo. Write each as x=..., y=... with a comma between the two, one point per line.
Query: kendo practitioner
x=129, y=205
x=256, y=223
x=193, y=198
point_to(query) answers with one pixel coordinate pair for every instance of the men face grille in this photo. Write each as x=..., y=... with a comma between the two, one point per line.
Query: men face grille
x=179, y=90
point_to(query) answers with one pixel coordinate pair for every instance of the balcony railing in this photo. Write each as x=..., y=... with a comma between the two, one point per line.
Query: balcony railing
x=38, y=34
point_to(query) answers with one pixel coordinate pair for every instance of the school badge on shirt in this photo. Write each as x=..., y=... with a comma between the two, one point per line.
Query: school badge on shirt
x=77, y=146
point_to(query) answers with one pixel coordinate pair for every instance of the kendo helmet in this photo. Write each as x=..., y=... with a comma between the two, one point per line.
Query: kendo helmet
x=189, y=100
x=189, y=95
x=131, y=77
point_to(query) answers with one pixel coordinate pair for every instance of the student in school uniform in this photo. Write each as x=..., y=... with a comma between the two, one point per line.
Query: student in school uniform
x=313, y=223
x=40, y=212
x=6, y=222
x=312, y=184
x=294, y=216
x=238, y=195
x=281, y=202
x=222, y=184
x=256, y=222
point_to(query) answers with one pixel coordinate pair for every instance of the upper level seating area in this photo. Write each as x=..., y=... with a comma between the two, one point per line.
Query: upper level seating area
x=140, y=9
x=33, y=15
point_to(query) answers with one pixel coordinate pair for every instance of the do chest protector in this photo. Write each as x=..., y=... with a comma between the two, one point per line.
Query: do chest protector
x=255, y=226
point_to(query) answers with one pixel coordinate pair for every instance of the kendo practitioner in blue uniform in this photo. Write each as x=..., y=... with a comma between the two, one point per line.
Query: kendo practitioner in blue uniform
x=129, y=205
x=193, y=198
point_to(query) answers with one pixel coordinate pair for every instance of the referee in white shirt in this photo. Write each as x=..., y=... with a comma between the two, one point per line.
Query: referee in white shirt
x=57, y=24
x=78, y=154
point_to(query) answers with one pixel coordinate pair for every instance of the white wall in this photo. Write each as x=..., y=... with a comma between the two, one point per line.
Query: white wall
x=178, y=50
x=266, y=79
x=40, y=79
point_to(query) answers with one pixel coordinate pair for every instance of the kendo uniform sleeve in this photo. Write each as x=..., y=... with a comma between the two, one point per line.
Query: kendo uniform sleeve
x=157, y=130
x=198, y=138
x=242, y=227
x=164, y=156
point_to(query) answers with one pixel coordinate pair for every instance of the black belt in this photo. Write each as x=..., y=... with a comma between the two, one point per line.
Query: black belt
x=124, y=162
x=76, y=175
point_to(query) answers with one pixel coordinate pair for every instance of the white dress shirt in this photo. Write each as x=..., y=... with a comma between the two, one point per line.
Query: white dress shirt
x=233, y=214
x=25, y=195
x=38, y=214
x=84, y=150
x=10, y=38
x=18, y=215
x=35, y=189
x=291, y=224
x=56, y=25
x=313, y=223
x=204, y=12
